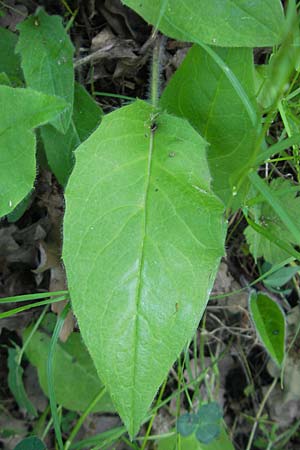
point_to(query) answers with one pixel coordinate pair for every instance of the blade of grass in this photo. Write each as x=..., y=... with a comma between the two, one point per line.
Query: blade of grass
x=270, y=198
x=148, y=432
x=108, y=94
x=28, y=297
x=14, y=311
x=107, y=437
x=51, y=391
x=278, y=148
x=259, y=413
x=34, y=328
x=234, y=82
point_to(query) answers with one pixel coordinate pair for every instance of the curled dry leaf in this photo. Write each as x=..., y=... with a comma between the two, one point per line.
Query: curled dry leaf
x=50, y=260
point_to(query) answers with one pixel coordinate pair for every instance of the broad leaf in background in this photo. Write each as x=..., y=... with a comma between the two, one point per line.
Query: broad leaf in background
x=200, y=92
x=286, y=193
x=10, y=63
x=281, y=277
x=225, y=23
x=15, y=382
x=143, y=236
x=191, y=443
x=47, y=60
x=59, y=147
x=21, y=110
x=269, y=322
x=31, y=443
x=75, y=378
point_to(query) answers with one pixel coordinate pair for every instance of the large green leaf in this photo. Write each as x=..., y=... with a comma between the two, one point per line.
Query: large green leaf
x=143, y=236
x=226, y=23
x=76, y=381
x=269, y=322
x=60, y=147
x=21, y=110
x=47, y=60
x=9, y=62
x=200, y=92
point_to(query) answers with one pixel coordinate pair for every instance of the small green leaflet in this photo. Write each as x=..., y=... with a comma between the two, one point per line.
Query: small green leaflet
x=22, y=110
x=59, y=147
x=206, y=424
x=281, y=277
x=47, y=60
x=269, y=321
x=226, y=23
x=143, y=236
x=209, y=427
x=75, y=379
x=187, y=424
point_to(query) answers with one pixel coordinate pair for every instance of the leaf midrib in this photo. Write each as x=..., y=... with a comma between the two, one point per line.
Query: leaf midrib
x=140, y=270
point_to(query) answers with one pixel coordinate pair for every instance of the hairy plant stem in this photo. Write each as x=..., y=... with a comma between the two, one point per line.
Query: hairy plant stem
x=155, y=71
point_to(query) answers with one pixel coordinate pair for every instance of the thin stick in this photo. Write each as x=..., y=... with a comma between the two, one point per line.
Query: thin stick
x=259, y=413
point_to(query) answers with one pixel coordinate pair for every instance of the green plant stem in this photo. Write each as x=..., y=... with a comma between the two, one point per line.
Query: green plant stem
x=155, y=437
x=285, y=437
x=106, y=438
x=15, y=10
x=49, y=424
x=161, y=393
x=58, y=327
x=274, y=269
x=35, y=327
x=259, y=413
x=108, y=94
x=130, y=444
x=83, y=417
x=202, y=357
x=277, y=148
x=287, y=352
x=155, y=72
